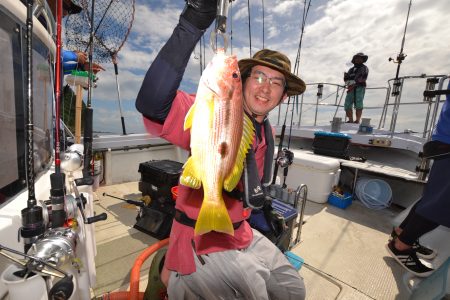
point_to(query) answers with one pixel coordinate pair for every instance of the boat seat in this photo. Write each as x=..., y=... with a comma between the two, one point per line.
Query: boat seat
x=433, y=287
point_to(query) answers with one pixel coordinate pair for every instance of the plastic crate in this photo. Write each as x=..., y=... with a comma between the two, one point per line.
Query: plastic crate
x=339, y=200
x=331, y=144
x=365, y=129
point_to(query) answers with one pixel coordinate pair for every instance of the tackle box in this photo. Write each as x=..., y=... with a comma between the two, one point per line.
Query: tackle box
x=158, y=177
x=331, y=144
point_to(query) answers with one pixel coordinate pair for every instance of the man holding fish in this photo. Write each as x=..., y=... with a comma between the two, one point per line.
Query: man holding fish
x=213, y=252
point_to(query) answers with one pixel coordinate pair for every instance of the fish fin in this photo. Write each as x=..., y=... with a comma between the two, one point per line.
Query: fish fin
x=189, y=117
x=248, y=135
x=189, y=176
x=213, y=216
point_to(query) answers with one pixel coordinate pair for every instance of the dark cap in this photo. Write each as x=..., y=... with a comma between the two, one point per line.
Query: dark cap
x=360, y=54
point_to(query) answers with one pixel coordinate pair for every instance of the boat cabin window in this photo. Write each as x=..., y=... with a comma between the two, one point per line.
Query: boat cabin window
x=13, y=93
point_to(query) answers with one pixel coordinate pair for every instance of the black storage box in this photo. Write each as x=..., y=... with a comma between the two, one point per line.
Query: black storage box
x=331, y=144
x=158, y=177
x=153, y=222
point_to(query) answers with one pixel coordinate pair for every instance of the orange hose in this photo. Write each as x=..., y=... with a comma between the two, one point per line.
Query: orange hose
x=136, y=270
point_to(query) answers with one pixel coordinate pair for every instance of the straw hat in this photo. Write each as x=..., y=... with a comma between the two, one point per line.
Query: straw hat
x=277, y=61
x=360, y=54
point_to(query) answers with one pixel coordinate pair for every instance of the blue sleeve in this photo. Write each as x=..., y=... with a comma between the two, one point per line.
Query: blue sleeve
x=69, y=61
x=166, y=72
x=442, y=131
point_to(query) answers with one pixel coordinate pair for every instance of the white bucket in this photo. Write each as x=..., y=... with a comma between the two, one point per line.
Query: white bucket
x=336, y=124
x=20, y=288
x=374, y=193
x=365, y=122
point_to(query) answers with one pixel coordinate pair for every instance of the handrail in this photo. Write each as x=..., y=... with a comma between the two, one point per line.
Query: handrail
x=392, y=105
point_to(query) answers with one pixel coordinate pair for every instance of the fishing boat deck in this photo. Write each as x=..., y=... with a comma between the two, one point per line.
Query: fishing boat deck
x=344, y=250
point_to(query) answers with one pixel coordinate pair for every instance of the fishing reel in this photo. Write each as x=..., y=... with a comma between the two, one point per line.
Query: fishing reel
x=49, y=256
x=73, y=158
x=285, y=158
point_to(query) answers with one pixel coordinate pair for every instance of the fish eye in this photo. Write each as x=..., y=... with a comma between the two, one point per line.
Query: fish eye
x=235, y=75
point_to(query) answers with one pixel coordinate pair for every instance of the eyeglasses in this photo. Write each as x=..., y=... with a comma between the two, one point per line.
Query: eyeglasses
x=262, y=78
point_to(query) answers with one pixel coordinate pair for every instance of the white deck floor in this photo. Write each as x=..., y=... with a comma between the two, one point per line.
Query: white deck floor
x=344, y=250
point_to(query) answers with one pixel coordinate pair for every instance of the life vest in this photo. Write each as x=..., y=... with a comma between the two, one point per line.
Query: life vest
x=254, y=193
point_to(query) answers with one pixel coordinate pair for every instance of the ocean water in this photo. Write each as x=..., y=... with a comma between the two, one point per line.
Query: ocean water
x=311, y=109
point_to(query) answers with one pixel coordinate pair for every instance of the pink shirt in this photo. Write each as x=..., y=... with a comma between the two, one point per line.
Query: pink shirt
x=179, y=256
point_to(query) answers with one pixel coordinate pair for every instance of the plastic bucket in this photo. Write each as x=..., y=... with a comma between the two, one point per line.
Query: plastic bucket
x=374, y=193
x=20, y=288
x=336, y=124
x=174, y=191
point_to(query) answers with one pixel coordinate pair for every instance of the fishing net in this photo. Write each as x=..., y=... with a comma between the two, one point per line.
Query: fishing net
x=112, y=24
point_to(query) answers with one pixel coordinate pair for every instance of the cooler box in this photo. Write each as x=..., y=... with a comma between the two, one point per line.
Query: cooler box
x=158, y=177
x=331, y=144
x=319, y=173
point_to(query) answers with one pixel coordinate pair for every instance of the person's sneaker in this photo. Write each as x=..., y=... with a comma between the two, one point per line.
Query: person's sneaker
x=422, y=251
x=408, y=259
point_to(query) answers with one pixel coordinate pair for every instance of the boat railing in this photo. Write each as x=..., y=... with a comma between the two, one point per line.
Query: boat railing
x=431, y=103
x=382, y=104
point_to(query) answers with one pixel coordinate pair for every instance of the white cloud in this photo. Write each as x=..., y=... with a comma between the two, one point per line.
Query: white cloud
x=335, y=30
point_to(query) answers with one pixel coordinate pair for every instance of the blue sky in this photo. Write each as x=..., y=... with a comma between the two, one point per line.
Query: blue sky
x=335, y=30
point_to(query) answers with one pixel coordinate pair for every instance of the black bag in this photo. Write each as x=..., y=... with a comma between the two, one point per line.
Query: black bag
x=270, y=223
x=153, y=222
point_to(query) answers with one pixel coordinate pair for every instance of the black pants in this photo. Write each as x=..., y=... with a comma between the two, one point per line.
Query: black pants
x=414, y=226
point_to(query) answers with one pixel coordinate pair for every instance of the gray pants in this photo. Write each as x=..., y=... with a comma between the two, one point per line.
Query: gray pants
x=259, y=272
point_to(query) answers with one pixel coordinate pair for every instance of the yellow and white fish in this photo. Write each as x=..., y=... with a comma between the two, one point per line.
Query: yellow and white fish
x=221, y=135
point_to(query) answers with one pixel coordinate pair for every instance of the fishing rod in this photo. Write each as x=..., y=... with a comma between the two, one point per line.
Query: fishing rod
x=89, y=113
x=397, y=82
x=57, y=179
x=32, y=219
x=249, y=28
x=401, y=56
x=263, y=27
x=129, y=201
x=231, y=28
x=285, y=157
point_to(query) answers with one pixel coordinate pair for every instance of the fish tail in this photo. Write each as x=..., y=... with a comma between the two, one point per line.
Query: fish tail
x=213, y=216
